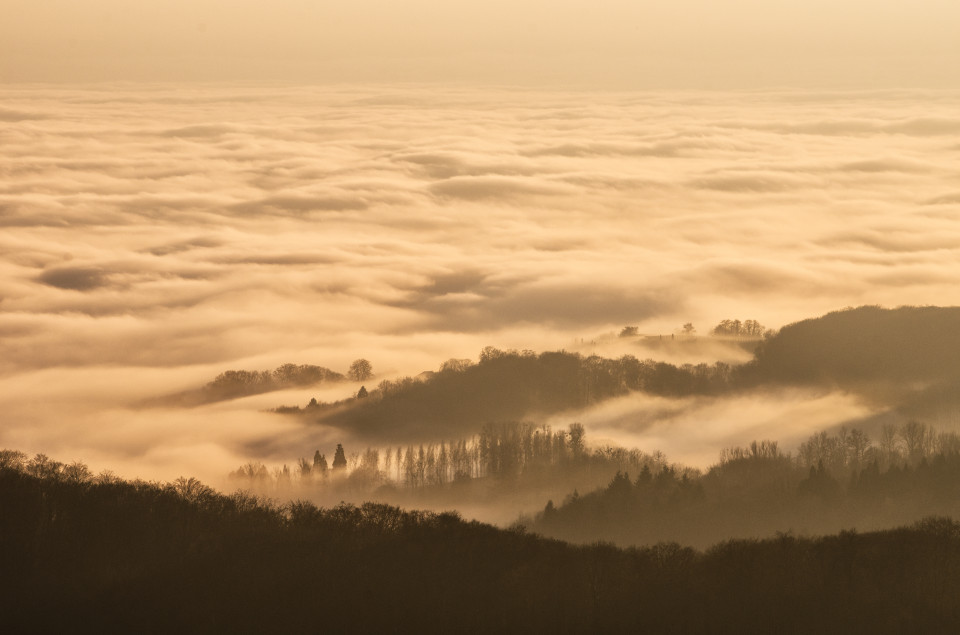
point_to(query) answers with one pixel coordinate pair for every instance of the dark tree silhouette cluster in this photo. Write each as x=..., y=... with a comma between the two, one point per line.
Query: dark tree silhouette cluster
x=904, y=358
x=504, y=459
x=835, y=481
x=232, y=384
x=96, y=554
x=508, y=386
x=736, y=328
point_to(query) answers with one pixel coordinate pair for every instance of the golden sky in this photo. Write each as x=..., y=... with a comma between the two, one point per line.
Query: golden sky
x=610, y=43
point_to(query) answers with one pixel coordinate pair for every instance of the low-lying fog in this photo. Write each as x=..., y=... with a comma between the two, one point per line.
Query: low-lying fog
x=155, y=237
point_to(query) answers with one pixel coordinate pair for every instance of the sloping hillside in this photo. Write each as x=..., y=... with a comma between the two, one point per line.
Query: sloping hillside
x=908, y=344
x=507, y=386
x=102, y=555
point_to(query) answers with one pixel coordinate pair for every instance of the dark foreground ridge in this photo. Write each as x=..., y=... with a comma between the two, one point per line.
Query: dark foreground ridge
x=83, y=554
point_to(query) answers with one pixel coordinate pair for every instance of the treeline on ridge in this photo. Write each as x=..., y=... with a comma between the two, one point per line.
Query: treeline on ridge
x=631, y=497
x=98, y=554
x=513, y=460
x=509, y=385
x=241, y=383
x=884, y=354
x=835, y=481
x=233, y=384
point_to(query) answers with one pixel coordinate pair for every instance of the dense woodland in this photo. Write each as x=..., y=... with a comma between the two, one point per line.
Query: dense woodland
x=902, y=358
x=899, y=358
x=869, y=343
x=834, y=482
x=84, y=552
x=508, y=385
x=630, y=497
x=507, y=451
x=507, y=466
x=97, y=554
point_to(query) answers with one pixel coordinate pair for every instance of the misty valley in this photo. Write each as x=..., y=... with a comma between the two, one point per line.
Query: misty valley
x=492, y=495
x=514, y=316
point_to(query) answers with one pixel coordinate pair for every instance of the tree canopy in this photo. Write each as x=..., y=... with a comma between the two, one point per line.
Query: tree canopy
x=360, y=370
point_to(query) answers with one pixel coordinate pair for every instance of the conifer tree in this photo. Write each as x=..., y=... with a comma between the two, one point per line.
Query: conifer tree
x=339, y=458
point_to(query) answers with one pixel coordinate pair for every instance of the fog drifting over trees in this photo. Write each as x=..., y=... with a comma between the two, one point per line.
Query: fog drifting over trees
x=295, y=296
x=155, y=238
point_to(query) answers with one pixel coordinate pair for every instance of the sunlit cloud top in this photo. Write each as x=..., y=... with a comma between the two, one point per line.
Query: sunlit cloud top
x=165, y=226
x=152, y=236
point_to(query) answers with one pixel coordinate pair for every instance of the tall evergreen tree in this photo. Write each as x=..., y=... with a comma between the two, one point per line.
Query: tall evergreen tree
x=319, y=462
x=339, y=458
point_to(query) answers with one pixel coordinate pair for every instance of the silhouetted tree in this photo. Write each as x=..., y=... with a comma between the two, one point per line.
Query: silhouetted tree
x=254, y=472
x=490, y=353
x=455, y=365
x=918, y=439
x=319, y=463
x=76, y=472
x=305, y=468
x=577, y=445
x=736, y=328
x=360, y=370
x=339, y=458
x=13, y=459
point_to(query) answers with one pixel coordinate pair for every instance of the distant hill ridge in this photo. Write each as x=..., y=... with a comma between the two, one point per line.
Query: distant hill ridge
x=909, y=344
x=897, y=357
x=904, y=358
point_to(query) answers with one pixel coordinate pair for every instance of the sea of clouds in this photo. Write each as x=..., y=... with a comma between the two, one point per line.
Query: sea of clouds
x=154, y=236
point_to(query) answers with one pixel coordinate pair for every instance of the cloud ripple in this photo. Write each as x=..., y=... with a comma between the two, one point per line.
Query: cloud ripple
x=220, y=227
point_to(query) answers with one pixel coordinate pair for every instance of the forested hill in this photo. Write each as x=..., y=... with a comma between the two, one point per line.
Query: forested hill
x=84, y=554
x=904, y=358
x=865, y=344
x=834, y=481
x=233, y=384
x=510, y=385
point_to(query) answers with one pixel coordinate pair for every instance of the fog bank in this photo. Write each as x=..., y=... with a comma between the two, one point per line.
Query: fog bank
x=154, y=236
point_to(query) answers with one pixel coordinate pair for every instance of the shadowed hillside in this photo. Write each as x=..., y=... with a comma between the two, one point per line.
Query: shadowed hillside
x=507, y=385
x=835, y=481
x=908, y=344
x=901, y=358
x=905, y=358
x=85, y=554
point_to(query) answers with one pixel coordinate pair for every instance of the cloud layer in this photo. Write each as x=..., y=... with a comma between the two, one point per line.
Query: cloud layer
x=175, y=232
